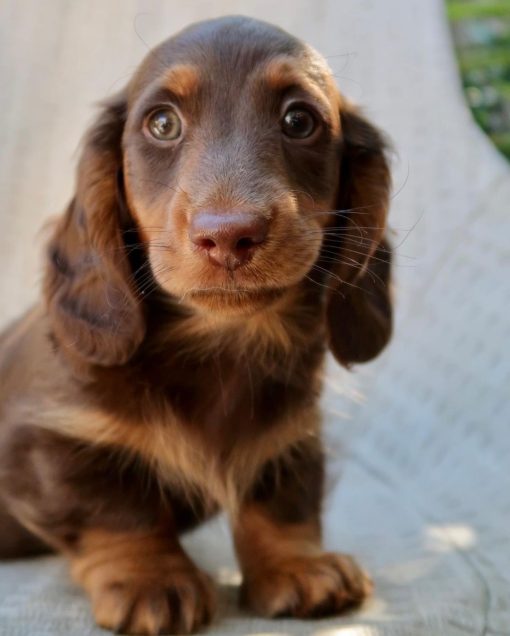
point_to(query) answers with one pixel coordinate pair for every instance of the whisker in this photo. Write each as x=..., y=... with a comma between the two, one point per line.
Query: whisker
x=349, y=250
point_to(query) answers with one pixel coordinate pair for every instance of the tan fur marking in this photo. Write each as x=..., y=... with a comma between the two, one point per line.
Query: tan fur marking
x=284, y=71
x=142, y=583
x=182, y=79
x=261, y=334
x=258, y=538
x=286, y=573
x=178, y=456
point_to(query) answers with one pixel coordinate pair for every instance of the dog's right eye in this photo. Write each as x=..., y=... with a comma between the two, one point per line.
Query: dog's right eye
x=164, y=124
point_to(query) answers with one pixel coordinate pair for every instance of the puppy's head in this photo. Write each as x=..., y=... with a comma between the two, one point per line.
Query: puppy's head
x=244, y=172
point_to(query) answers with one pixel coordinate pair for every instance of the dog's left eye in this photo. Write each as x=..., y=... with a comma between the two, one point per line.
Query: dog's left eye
x=164, y=124
x=298, y=123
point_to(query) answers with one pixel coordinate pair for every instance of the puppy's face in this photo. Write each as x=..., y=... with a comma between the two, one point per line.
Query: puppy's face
x=245, y=174
x=231, y=163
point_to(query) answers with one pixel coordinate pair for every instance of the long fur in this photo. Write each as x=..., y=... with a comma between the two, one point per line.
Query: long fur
x=150, y=388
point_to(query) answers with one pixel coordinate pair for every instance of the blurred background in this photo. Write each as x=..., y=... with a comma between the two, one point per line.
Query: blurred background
x=481, y=31
x=418, y=441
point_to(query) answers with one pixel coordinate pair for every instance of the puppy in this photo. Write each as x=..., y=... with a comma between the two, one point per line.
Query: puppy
x=228, y=226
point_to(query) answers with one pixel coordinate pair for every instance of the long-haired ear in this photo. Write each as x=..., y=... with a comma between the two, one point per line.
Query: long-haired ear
x=91, y=297
x=359, y=306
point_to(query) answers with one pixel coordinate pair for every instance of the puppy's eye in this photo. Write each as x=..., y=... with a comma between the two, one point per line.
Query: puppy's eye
x=164, y=124
x=298, y=123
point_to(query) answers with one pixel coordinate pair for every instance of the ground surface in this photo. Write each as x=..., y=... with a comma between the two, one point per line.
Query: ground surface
x=424, y=499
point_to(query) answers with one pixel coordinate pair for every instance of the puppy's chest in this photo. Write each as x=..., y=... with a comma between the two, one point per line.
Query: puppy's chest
x=237, y=378
x=224, y=392
x=210, y=424
x=226, y=400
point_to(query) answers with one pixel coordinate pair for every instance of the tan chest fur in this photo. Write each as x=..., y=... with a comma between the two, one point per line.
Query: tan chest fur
x=177, y=454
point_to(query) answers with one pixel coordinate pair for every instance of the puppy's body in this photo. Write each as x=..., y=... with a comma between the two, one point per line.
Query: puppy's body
x=204, y=411
x=166, y=377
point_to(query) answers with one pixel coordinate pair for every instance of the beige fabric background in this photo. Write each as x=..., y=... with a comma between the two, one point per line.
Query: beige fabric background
x=421, y=437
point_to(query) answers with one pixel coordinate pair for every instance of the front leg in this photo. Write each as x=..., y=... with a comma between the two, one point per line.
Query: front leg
x=117, y=525
x=278, y=542
x=142, y=582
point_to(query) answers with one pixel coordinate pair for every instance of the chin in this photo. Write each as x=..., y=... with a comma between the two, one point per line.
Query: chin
x=231, y=303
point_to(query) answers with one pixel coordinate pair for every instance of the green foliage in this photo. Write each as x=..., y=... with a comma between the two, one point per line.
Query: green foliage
x=476, y=9
x=481, y=30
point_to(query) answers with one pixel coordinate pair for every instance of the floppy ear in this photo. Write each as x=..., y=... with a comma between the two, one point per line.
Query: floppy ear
x=91, y=297
x=359, y=307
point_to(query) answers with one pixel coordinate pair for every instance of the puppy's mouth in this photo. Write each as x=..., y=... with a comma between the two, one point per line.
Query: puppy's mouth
x=234, y=299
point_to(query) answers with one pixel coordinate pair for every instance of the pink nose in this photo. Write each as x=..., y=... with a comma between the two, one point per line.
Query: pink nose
x=229, y=238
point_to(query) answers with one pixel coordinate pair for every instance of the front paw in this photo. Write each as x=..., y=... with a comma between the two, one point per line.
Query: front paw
x=179, y=603
x=307, y=587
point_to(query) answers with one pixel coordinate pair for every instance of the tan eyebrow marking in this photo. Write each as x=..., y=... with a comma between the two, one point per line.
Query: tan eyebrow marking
x=182, y=79
x=281, y=71
x=284, y=71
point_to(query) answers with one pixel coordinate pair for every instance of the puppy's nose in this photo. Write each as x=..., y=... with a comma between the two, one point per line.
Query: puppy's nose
x=229, y=238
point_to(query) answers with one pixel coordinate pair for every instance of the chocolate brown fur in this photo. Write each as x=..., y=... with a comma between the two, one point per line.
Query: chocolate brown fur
x=151, y=388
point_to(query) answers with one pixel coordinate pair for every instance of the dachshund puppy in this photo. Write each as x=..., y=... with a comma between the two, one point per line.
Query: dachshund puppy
x=228, y=226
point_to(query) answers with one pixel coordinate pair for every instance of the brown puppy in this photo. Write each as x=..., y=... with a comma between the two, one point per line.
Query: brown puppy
x=227, y=227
